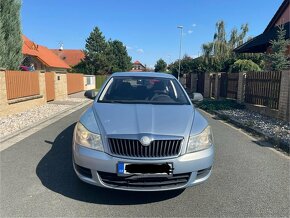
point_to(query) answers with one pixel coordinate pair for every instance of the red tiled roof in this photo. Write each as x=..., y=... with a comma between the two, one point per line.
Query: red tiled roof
x=71, y=56
x=137, y=62
x=42, y=53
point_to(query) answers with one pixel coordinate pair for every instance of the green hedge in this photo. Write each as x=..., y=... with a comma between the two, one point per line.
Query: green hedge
x=100, y=79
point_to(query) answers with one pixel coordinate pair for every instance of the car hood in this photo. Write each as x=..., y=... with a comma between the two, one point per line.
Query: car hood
x=174, y=120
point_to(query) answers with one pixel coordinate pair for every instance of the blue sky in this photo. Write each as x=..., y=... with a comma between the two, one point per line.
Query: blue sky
x=147, y=27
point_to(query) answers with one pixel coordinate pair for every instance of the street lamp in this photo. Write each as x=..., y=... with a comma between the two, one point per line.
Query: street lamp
x=181, y=33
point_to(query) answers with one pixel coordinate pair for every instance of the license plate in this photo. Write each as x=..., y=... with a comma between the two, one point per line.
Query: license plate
x=145, y=169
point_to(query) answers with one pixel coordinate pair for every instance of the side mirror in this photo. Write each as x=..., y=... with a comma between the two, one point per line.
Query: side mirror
x=91, y=94
x=197, y=97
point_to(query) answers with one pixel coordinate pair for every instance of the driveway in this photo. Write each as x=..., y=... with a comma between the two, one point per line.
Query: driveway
x=37, y=179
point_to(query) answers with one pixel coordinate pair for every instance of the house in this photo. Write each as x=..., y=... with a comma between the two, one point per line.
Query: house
x=138, y=67
x=71, y=56
x=261, y=43
x=41, y=57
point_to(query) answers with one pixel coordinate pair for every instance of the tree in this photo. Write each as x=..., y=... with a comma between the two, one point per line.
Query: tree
x=160, y=66
x=10, y=34
x=120, y=61
x=96, y=53
x=244, y=65
x=278, y=59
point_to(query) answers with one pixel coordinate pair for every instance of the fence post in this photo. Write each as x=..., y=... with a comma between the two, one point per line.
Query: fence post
x=42, y=85
x=284, y=96
x=241, y=87
x=217, y=86
x=207, y=85
x=3, y=92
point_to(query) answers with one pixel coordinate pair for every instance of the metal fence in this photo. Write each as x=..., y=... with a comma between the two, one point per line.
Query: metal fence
x=21, y=84
x=263, y=88
x=100, y=79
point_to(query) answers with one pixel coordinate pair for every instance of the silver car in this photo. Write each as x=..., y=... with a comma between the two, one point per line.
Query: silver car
x=142, y=133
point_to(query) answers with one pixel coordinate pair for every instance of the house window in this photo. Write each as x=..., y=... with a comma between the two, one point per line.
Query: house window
x=89, y=80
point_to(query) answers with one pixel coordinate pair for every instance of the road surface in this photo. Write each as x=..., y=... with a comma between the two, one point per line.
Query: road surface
x=37, y=179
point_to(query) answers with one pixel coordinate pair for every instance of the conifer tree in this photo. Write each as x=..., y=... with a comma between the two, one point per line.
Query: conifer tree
x=277, y=59
x=10, y=34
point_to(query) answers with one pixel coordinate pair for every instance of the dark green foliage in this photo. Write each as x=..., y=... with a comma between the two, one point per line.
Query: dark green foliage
x=160, y=66
x=104, y=57
x=212, y=105
x=96, y=50
x=10, y=34
x=79, y=68
x=278, y=59
x=244, y=65
x=189, y=65
x=120, y=61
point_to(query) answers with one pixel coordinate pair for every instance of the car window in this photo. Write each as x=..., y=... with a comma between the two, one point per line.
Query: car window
x=143, y=90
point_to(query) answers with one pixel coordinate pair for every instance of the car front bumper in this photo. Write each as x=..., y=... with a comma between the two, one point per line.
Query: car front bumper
x=89, y=164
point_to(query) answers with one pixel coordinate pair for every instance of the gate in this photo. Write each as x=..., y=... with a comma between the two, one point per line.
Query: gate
x=232, y=86
x=49, y=85
x=223, y=85
x=200, y=83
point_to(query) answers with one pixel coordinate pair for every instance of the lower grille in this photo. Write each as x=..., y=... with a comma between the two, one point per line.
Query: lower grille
x=134, y=148
x=114, y=180
x=83, y=171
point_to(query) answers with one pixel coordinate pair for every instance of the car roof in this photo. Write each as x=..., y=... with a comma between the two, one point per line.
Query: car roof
x=144, y=74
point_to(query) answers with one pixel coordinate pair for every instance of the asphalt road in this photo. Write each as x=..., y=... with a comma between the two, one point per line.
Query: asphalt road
x=37, y=179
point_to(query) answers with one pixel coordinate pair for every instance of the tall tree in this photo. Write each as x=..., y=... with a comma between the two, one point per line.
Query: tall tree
x=160, y=66
x=119, y=58
x=96, y=53
x=278, y=59
x=10, y=34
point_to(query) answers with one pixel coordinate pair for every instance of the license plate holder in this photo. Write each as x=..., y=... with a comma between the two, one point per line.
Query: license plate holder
x=145, y=169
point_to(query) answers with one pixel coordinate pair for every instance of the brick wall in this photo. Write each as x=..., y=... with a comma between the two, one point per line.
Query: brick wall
x=284, y=98
x=3, y=92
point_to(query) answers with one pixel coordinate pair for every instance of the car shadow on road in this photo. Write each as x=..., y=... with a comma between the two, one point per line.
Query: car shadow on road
x=56, y=173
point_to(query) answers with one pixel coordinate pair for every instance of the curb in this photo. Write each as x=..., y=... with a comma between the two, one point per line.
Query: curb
x=275, y=141
x=54, y=117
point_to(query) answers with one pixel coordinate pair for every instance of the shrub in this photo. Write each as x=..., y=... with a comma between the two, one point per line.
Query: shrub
x=244, y=65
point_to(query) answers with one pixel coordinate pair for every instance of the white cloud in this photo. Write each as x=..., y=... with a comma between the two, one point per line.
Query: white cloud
x=128, y=47
x=189, y=31
x=194, y=56
x=140, y=51
x=194, y=25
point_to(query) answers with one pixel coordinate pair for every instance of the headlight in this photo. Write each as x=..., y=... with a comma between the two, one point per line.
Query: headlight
x=88, y=139
x=201, y=141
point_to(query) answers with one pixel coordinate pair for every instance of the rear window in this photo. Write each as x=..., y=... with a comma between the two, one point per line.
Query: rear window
x=143, y=90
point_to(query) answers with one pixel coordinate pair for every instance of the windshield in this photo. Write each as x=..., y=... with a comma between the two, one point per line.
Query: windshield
x=143, y=90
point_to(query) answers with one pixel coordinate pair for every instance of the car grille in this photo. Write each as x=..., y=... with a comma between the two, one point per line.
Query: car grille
x=134, y=148
x=114, y=180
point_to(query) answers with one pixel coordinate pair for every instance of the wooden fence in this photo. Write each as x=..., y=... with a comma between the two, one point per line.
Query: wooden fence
x=75, y=83
x=21, y=84
x=212, y=85
x=263, y=88
x=49, y=86
x=232, y=85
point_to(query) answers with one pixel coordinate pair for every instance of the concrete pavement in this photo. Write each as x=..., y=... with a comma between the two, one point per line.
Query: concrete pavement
x=37, y=179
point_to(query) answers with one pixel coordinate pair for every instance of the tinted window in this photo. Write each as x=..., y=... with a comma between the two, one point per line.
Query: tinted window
x=143, y=90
